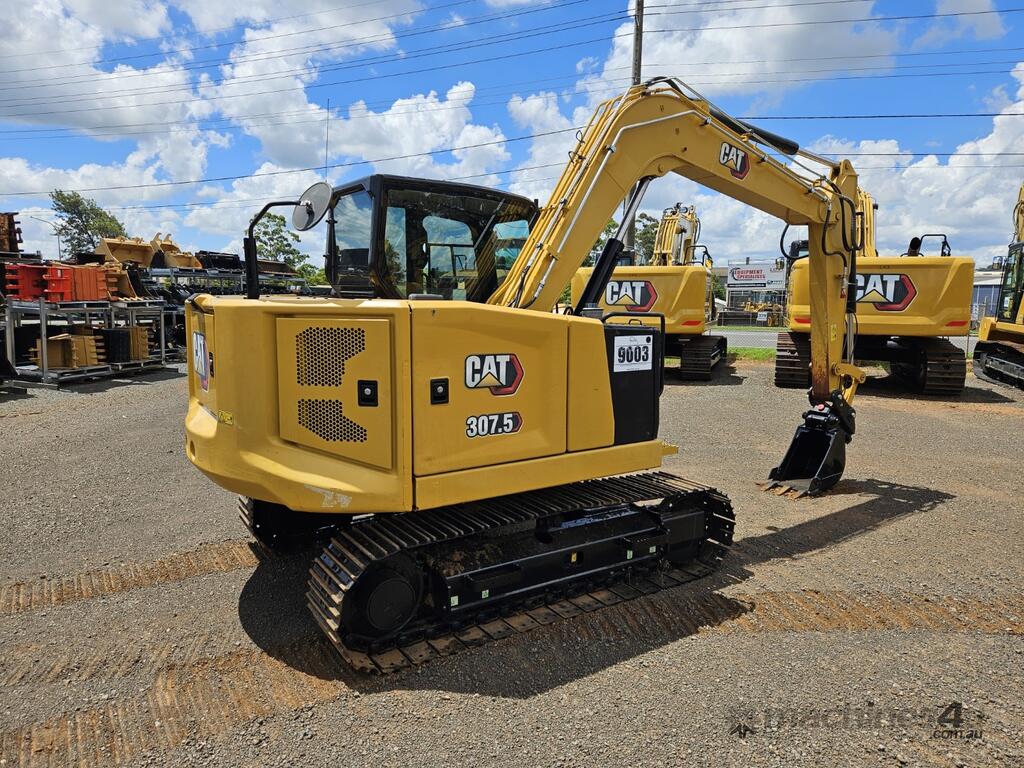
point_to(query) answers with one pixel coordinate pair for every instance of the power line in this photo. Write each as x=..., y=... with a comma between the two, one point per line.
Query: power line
x=362, y=80
x=455, y=104
x=193, y=49
x=574, y=76
x=303, y=170
x=714, y=4
x=505, y=57
x=538, y=31
x=236, y=203
x=214, y=30
x=649, y=66
x=151, y=185
x=334, y=48
x=877, y=19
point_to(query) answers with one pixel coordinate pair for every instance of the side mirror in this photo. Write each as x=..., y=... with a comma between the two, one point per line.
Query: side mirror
x=312, y=206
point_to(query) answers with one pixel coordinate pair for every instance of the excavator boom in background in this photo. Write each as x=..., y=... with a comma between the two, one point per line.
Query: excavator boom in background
x=999, y=352
x=474, y=459
x=906, y=307
x=675, y=284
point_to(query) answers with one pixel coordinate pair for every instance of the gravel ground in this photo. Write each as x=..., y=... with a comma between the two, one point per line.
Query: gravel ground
x=138, y=629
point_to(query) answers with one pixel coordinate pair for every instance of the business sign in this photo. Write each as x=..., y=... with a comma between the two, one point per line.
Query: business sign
x=758, y=276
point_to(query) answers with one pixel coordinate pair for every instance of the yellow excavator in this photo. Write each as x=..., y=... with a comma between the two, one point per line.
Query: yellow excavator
x=475, y=463
x=906, y=307
x=999, y=353
x=675, y=285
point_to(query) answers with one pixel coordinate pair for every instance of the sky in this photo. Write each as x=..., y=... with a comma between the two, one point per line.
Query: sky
x=185, y=116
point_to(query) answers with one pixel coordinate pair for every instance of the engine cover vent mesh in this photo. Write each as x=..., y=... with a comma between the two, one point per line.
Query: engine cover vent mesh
x=324, y=419
x=321, y=353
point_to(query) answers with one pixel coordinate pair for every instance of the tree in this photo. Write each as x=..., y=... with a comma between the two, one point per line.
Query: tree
x=274, y=241
x=609, y=229
x=646, y=234
x=82, y=222
x=313, y=275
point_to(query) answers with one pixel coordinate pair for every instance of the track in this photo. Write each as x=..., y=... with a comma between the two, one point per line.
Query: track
x=932, y=366
x=519, y=604
x=1000, y=362
x=699, y=356
x=793, y=360
x=929, y=366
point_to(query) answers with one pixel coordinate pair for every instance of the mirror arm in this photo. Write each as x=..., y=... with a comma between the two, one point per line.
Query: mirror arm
x=252, y=267
x=331, y=251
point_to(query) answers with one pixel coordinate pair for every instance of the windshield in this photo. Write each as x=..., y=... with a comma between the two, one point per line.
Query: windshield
x=1012, y=287
x=457, y=245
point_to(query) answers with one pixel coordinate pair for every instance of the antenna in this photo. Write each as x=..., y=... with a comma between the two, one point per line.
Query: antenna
x=327, y=135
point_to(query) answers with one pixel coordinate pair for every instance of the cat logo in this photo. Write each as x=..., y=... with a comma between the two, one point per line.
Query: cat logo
x=888, y=292
x=735, y=159
x=201, y=360
x=631, y=295
x=502, y=374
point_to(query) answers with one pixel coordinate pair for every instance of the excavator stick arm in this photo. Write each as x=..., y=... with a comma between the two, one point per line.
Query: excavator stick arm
x=662, y=127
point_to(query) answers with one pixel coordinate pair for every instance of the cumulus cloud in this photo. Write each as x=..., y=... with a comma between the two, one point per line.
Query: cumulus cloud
x=420, y=124
x=277, y=58
x=967, y=196
x=980, y=26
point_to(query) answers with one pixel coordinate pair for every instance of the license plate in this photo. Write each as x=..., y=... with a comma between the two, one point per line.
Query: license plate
x=201, y=360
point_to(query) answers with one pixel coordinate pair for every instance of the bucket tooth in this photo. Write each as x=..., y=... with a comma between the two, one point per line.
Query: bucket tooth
x=816, y=458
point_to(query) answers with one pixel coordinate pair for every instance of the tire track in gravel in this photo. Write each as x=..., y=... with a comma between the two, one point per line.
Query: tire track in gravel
x=208, y=695
x=48, y=591
x=776, y=611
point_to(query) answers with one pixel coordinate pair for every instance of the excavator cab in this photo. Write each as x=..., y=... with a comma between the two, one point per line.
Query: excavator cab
x=396, y=237
x=1011, y=289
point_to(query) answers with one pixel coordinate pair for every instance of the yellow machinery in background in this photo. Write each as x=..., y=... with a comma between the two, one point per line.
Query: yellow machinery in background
x=127, y=250
x=161, y=251
x=999, y=353
x=675, y=284
x=465, y=460
x=168, y=253
x=906, y=306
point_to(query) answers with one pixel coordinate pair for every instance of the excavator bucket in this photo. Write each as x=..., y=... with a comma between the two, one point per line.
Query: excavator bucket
x=816, y=458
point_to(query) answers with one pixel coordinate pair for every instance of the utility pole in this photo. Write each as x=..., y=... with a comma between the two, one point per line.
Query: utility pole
x=638, y=54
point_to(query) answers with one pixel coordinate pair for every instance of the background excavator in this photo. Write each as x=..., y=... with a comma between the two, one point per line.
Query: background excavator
x=480, y=465
x=676, y=284
x=906, y=305
x=999, y=353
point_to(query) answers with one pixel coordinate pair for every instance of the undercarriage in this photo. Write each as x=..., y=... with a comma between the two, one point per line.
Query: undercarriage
x=391, y=590
x=929, y=366
x=698, y=355
x=1000, y=361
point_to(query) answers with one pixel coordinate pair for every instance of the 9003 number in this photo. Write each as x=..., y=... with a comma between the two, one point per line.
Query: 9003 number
x=489, y=424
x=634, y=354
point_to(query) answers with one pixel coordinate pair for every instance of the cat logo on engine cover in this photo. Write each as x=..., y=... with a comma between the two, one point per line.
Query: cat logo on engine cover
x=631, y=295
x=888, y=292
x=502, y=374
